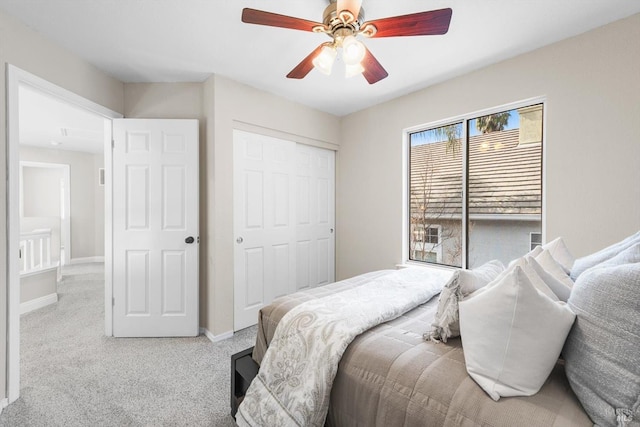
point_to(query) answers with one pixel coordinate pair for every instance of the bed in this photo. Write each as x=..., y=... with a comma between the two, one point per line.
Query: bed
x=390, y=376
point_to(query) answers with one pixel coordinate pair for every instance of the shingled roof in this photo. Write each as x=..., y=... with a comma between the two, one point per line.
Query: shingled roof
x=504, y=177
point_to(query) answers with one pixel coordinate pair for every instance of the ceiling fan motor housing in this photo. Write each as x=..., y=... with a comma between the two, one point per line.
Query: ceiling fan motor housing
x=340, y=24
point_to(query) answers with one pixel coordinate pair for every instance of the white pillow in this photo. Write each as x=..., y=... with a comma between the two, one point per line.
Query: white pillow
x=533, y=253
x=512, y=335
x=560, y=253
x=561, y=289
x=552, y=267
x=536, y=280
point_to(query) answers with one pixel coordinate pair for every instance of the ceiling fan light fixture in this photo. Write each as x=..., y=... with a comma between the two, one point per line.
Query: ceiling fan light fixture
x=343, y=21
x=353, y=70
x=325, y=59
x=352, y=50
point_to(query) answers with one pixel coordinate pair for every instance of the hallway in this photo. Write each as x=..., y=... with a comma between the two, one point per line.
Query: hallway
x=72, y=375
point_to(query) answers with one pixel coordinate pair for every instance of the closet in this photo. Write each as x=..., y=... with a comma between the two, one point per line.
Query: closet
x=284, y=220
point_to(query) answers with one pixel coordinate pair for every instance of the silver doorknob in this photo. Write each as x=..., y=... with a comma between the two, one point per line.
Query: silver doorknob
x=331, y=230
x=239, y=240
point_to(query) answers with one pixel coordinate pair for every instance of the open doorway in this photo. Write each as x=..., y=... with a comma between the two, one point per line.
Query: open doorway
x=23, y=88
x=61, y=156
x=61, y=194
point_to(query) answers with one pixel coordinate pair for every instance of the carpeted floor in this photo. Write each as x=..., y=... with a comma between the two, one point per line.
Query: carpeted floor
x=72, y=375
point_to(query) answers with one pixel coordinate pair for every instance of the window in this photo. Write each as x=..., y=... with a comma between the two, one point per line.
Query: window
x=431, y=235
x=428, y=235
x=535, y=239
x=428, y=256
x=474, y=188
x=426, y=241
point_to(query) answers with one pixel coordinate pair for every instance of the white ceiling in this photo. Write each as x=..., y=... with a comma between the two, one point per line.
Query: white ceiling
x=188, y=40
x=47, y=122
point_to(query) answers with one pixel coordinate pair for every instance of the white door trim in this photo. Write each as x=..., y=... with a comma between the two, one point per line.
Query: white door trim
x=65, y=230
x=16, y=77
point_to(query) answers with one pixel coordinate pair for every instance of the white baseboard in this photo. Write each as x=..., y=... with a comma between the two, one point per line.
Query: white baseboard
x=86, y=260
x=40, y=271
x=3, y=404
x=216, y=338
x=37, y=303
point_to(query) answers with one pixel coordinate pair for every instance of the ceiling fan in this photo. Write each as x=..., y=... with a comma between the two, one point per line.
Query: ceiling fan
x=343, y=21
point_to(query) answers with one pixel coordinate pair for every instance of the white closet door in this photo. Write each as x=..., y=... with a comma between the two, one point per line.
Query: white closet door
x=284, y=220
x=315, y=216
x=264, y=228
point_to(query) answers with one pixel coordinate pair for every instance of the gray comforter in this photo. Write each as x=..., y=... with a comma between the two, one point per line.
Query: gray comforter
x=390, y=376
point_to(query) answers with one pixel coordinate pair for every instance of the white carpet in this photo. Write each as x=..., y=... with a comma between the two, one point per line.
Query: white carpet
x=72, y=375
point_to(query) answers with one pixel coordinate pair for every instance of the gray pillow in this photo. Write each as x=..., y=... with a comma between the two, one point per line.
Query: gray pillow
x=446, y=323
x=602, y=351
x=586, y=262
x=628, y=256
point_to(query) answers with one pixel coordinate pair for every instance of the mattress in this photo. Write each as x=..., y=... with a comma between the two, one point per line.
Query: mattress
x=390, y=376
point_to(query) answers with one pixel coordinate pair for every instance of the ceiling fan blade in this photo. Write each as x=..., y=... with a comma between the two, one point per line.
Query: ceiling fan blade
x=303, y=68
x=373, y=70
x=433, y=22
x=352, y=6
x=260, y=17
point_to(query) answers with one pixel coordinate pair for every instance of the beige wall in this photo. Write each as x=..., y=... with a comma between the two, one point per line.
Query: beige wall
x=222, y=105
x=175, y=101
x=38, y=285
x=592, y=148
x=87, y=224
x=163, y=100
x=41, y=191
x=241, y=107
x=31, y=52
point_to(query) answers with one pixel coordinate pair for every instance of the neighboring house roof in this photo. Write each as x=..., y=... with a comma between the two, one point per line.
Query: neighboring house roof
x=504, y=177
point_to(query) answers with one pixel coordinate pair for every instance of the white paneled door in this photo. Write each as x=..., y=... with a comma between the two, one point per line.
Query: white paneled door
x=155, y=228
x=283, y=221
x=315, y=207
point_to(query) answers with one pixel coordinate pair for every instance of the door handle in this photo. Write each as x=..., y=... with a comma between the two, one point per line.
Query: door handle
x=189, y=240
x=239, y=240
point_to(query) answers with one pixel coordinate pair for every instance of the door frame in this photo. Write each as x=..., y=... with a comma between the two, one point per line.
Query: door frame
x=15, y=78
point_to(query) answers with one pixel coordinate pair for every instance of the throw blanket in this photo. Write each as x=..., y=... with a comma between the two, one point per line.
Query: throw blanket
x=294, y=383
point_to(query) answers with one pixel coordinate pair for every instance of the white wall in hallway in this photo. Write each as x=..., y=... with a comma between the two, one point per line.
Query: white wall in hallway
x=87, y=197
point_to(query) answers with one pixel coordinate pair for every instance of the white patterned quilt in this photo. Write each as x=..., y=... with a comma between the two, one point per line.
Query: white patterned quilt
x=293, y=385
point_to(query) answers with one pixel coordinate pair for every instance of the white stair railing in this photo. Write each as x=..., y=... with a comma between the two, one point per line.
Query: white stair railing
x=35, y=251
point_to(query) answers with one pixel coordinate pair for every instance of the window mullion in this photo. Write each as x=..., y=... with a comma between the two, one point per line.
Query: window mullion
x=465, y=191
